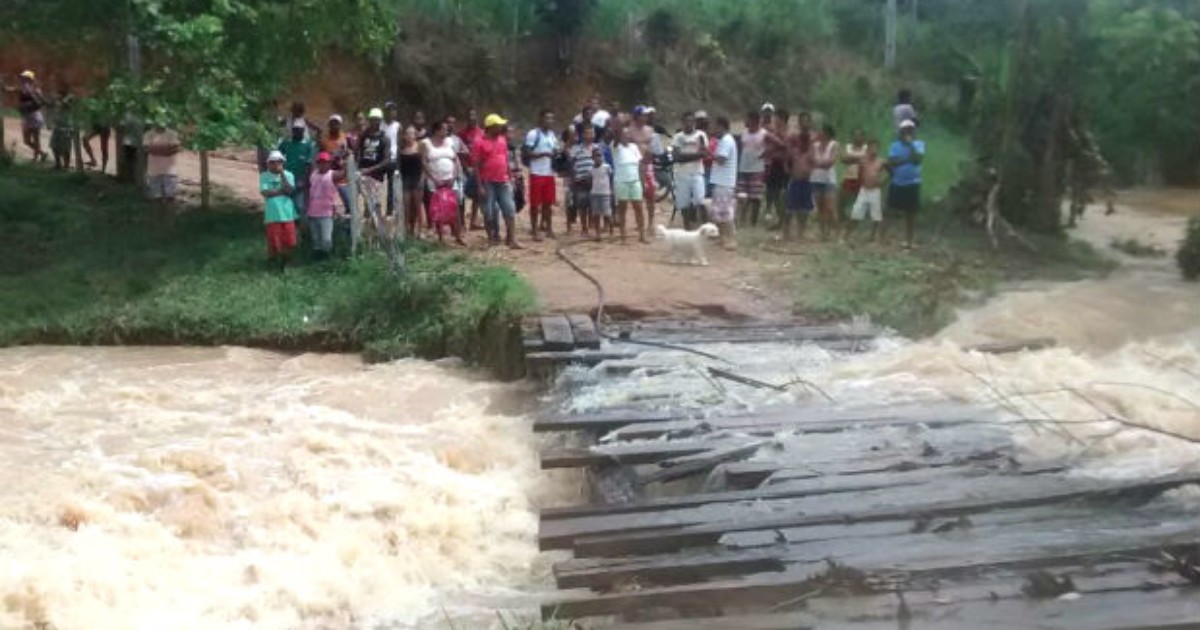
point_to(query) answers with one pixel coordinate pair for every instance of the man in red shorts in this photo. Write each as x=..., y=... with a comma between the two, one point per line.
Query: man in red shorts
x=541, y=144
x=644, y=136
x=279, y=214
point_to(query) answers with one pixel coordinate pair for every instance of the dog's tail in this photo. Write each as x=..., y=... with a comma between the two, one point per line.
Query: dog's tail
x=660, y=230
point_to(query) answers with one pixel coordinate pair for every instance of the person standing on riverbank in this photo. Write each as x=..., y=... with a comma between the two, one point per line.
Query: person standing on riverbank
x=690, y=148
x=322, y=205
x=724, y=179
x=751, y=169
x=824, y=180
x=374, y=160
x=581, y=178
x=276, y=184
x=600, y=194
x=904, y=110
x=904, y=194
x=490, y=156
x=799, y=190
x=162, y=156
x=338, y=144
x=868, y=204
x=30, y=102
x=646, y=138
x=541, y=144
x=852, y=156
x=298, y=153
x=627, y=167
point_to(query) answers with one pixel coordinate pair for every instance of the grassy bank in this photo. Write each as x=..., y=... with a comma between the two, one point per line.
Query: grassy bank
x=89, y=262
x=914, y=292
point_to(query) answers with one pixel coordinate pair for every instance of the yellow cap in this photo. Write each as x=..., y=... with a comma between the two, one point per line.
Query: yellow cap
x=28, y=74
x=494, y=119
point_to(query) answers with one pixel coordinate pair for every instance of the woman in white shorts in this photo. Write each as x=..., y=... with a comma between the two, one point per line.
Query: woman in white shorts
x=627, y=159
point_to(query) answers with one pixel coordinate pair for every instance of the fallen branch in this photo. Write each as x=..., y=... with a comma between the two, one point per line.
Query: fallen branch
x=753, y=382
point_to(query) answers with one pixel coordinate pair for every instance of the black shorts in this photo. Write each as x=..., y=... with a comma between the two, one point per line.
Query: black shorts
x=906, y=199
x=799, y=196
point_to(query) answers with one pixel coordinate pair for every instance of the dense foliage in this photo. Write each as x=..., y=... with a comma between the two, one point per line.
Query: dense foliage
x=70, y=275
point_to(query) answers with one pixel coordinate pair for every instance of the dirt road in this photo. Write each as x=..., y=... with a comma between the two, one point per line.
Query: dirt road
x=637, y=280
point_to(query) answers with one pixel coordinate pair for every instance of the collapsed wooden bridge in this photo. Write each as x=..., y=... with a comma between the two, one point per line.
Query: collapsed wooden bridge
x=822, y=517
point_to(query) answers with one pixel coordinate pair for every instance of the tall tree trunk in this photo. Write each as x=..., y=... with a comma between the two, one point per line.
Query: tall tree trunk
x=77, y=146
x=205, y=184
x=1049, y=191
x=889, y=29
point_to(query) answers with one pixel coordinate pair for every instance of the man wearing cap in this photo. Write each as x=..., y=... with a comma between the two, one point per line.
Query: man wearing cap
x=374, y=159
x=391, y=127
x=490, y=157
x=298, y=153
x=277, y=185
x=690, y=148
x=904, y=193
x=29, y=103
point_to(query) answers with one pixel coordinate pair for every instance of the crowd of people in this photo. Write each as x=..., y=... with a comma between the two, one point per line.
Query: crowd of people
x=428, y=180
x=599, y=168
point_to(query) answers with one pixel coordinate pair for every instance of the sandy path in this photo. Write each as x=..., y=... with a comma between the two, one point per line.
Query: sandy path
x=637, y=280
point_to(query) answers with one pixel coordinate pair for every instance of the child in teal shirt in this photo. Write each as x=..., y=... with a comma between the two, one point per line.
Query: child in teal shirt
x=278, y=186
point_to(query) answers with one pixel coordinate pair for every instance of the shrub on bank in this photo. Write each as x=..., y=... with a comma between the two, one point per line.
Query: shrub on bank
x=89, y=262
x=1188, y=256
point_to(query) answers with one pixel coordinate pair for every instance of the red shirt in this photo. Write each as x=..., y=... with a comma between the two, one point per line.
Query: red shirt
x=490, y=156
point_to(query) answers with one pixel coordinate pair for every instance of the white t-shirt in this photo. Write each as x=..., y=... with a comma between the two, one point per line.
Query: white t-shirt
x=902, y=112
x=853, y=151
x=601, y=185
x=752, y=152
x=725, y=174
x=392, y=131
x=600, y=118
x=538, y=141
x=441, y=159
x=689, y=143
x=161, y=164
x=628, y=159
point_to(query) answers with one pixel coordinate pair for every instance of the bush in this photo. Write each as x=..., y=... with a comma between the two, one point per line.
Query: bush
x=1188, y=255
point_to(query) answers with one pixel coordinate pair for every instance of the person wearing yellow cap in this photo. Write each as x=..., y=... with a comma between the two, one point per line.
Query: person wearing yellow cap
x=30, y=102
x=490, y=157
x=374, y=156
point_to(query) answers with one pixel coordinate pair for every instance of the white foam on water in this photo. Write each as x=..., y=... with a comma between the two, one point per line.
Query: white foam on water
x=229, y=488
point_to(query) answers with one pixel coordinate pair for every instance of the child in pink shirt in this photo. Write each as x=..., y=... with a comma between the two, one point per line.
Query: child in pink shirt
x=322, y=204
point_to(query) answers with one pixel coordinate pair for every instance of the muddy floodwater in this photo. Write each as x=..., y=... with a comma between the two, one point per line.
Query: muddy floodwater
x=229, y=488
x=225, y=488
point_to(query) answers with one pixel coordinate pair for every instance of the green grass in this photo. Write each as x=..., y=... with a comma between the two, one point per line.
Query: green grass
x=87, y=261
x=917, y=292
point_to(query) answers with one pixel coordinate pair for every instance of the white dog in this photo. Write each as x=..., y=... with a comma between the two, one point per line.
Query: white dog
x=688, y=247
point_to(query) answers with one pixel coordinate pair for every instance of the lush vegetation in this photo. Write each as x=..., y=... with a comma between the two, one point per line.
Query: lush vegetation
x=914, y=292
x=89, y=262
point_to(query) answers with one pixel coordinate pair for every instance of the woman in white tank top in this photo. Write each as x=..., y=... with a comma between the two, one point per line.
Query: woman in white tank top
x=824, y=180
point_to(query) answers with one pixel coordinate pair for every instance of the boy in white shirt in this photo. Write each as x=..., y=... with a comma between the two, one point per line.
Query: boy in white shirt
x=724, y=180
x=690, y=148
x=600, y=198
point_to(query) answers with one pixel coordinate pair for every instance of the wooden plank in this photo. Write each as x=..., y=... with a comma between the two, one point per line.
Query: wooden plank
x=633, y=454
x=680, y=467
x=584, y=331
x=603, y=421
x=573, y=357
x=811, y=497
x=812, y=419
x=1006, y=541
x=778, y=621
x=1007, y=347
x=556, y=332
x=676, y=538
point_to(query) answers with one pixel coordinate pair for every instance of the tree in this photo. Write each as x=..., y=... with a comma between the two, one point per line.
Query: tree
x=566, y=19
x=212, y=68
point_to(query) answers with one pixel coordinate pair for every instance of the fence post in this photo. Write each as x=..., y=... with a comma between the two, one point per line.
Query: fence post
x=204, y=182
x=77, y=146
x=355, y=215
